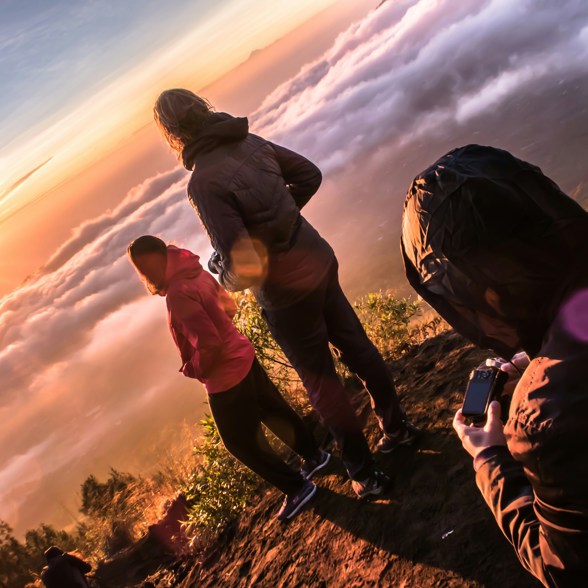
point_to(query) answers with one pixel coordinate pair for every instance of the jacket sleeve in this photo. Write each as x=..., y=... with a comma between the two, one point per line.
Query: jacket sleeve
x=190, y=317
x=509, y=494
x=237, y=261
x=301, y=175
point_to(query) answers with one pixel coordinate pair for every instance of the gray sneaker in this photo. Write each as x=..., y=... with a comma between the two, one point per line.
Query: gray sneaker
x=294, y=502
x=311, y=466
x=406, y=436
x=376, y=485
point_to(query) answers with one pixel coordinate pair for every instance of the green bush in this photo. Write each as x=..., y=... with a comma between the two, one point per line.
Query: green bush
x=112, y=513
x=395, y=324
x=249, y=321
x=20, y=563
x=219, y=487
x=118, y=511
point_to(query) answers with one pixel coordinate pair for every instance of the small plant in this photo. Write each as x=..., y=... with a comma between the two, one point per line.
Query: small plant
x=387, y=321
x=426, y=329
x=219, y=487
x=249, y=321
x=117, y=512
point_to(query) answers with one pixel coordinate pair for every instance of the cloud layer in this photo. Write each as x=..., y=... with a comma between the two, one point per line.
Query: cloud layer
x=74, y=343
x=416, y=68
x=415, y=79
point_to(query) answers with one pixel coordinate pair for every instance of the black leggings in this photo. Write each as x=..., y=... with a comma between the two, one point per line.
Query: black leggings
x=239, y=414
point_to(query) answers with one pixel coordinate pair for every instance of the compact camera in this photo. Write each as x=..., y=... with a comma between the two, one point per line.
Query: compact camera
x=484, y=386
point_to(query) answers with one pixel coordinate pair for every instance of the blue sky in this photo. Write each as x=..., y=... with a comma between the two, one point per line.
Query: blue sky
x=79, y=77
x=51, y=52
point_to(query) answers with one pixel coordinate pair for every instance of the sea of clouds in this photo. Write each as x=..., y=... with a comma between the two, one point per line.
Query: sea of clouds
x=85, y=357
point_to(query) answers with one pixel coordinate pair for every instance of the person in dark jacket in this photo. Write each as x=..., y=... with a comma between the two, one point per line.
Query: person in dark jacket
x=502, y=254
x=248, y=194
x=64, y=570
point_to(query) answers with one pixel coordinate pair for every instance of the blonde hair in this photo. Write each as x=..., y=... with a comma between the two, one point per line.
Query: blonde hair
x=180, y=116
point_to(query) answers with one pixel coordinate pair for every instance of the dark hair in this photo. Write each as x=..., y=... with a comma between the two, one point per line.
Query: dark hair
x=146, y=244
x=53, y=552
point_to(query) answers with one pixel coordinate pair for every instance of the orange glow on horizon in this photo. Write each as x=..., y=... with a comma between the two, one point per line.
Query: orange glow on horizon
x=95, y=127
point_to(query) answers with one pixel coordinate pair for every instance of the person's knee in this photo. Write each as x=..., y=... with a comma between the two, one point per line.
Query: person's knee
x=241, y=445
x=362, y=358
x=333, y=406
x=232, y=447
x=321, y=390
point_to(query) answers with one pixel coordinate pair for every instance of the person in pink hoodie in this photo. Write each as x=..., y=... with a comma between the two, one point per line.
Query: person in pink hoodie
x=240, y=394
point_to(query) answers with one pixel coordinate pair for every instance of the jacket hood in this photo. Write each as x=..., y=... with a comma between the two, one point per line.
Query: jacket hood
x=181, y=264
x=492, y=244
x=221, y=128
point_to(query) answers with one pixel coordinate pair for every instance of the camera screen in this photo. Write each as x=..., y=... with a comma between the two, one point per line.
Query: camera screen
x=476, y=398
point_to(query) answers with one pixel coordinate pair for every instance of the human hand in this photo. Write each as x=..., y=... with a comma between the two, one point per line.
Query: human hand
x=520, y=360
x=215, y=263
x=476, y=439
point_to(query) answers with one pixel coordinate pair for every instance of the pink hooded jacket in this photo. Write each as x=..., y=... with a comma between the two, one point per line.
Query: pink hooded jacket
x=199, y=317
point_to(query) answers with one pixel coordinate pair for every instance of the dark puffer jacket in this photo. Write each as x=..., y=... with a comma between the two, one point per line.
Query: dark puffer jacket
x=502, y=254
x=248, y=194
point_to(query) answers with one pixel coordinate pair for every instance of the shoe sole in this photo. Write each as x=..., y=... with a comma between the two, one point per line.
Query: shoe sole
x=297, y=509
x=372, y=493
x=408, y=442
x=318, y=467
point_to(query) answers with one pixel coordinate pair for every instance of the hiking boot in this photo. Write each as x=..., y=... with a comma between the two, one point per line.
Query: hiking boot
x=407, y=436
x=313, y=465
x=376, y=485
x=294, y=502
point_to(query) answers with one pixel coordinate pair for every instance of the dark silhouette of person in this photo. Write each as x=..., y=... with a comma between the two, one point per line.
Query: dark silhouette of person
x=64, y=570
x=502, y=254
x=248, y=193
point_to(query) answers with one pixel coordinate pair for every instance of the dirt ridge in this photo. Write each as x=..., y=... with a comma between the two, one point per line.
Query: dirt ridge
x=432, y=530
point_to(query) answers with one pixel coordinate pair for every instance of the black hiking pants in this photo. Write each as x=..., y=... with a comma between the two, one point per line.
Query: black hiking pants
x=304, y=331
x=239, y=413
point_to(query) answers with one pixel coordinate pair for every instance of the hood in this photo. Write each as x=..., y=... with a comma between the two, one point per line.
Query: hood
x=221, y=128
x=492, y=244
x=181, y=265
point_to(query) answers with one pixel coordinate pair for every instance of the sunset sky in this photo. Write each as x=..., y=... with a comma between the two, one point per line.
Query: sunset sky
x=77, y=139
x=83, y=77
x=372, y=95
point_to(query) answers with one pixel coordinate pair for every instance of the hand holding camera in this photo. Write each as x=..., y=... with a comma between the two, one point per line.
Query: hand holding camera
x=496, y=379
x=476, y=439
x=485, y=385
x=481, y=408
x=514, y=369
